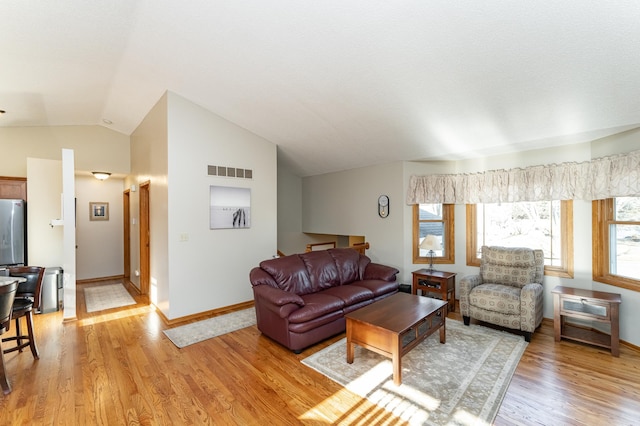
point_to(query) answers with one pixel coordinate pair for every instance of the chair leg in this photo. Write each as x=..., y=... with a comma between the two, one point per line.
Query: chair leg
x=18, y=333
x=466, y=320
x=4, y=380
x=32, y=337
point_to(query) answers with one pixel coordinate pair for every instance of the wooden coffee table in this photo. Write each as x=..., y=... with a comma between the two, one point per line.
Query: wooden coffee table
x=395, y=325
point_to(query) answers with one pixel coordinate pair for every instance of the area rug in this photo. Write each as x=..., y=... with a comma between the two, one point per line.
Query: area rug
x=107, y=297
x=189, y=334
x=461, y=382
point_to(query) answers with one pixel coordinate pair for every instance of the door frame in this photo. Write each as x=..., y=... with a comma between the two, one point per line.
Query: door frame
x=145, y=238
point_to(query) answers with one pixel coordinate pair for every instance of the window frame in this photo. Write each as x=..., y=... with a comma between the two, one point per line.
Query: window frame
x=448, y=221
x=602, y=217
x=565, y=270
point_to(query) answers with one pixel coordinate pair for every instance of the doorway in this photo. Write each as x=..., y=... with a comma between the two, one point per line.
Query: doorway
x=144, y=239
x=126, y=220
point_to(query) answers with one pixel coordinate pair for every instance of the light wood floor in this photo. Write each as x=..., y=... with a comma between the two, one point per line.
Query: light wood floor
x=117, y=367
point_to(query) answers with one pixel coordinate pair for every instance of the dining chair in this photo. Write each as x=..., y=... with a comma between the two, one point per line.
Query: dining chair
x=27, y=300
x=7, y=294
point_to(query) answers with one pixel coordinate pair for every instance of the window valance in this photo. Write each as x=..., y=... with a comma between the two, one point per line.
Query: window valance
x=606, y=177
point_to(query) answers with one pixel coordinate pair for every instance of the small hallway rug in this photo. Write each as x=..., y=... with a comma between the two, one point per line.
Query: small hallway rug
x=105, y=297
x=189, y=334
x=461, y=382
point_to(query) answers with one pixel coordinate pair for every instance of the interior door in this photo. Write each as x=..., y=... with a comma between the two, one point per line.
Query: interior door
x=144, y=239
x=126, y=220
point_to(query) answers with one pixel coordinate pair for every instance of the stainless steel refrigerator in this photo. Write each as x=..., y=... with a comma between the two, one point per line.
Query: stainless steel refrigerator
x=13, y=236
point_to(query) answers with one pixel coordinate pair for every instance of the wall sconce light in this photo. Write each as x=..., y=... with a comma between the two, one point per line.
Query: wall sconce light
x=101, y=175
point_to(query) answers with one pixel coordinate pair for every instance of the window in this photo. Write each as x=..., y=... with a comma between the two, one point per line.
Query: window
x=545, y=225
x=436, y=220
x=616, y=242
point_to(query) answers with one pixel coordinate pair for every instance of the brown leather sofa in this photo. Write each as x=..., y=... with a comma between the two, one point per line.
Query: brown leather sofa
x=301, y=299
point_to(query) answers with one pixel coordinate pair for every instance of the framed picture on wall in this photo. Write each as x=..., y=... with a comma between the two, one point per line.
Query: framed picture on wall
x=229, y=207
x=98, y=211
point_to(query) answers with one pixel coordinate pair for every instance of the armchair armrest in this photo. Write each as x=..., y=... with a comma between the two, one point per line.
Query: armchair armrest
x=531, y=299
x=376, y=271
x=466, y=285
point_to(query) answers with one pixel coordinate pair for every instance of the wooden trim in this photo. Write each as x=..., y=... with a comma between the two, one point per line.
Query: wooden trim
x=99, y=279
x=126, y=233
x=566, y=256
x=207, y=314
x=602, y=214
x=472, y=235
x=448, y=221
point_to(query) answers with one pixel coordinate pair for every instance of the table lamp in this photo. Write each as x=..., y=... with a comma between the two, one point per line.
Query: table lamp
x=430, y=243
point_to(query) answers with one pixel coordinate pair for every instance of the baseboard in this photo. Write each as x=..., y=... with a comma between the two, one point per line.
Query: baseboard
x=99, y=279
x=207, y=314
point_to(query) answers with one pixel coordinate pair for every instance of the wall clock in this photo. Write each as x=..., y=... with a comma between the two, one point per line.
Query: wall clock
x=383, y=206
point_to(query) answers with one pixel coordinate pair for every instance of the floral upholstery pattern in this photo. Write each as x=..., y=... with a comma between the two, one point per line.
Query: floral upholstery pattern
x=508, y=290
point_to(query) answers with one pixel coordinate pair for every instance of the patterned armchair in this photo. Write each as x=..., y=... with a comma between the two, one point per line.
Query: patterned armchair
x=508, y=291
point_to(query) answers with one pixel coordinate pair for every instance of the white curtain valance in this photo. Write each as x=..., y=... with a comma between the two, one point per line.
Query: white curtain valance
x=606, y=177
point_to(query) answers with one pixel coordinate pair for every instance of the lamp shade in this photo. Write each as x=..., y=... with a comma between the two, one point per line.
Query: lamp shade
x=101, y=175
x=431, y=242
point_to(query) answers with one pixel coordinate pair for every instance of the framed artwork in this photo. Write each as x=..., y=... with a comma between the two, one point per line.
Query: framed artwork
x=229, y=207
x=98, y=211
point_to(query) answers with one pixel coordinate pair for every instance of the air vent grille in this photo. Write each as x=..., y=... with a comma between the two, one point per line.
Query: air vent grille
x=233, y=172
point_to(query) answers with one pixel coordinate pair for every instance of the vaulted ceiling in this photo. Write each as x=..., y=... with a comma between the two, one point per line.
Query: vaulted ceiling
x=335, y=84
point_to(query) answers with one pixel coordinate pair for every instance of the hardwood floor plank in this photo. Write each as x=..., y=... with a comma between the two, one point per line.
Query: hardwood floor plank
x=117, y=367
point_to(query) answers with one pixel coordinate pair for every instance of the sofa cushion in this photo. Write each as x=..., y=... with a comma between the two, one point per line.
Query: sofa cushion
x=289, y=273
x=307, y=326
x=350, y=294
x=315, y=306
x=321, y=269
x=504, y=299
x=378, y=287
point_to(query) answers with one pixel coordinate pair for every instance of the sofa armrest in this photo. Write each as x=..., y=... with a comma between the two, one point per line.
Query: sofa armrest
x=276, y=296
x=376, y=271
x=466, y=285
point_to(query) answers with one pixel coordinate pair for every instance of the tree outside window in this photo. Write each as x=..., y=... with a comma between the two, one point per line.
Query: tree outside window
x=541, y=225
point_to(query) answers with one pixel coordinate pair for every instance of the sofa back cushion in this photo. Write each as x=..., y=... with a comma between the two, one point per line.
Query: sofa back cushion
x=317, y=270
x=322, y=270
x=348, y=262
x=507, y=265
x=289, y=273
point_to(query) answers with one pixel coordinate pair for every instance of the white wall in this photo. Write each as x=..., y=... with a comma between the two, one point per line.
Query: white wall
x=99, y=243
x=36, y=153
x=44, y=191
x=209, y=269
x=94, y=147
x=195, y=269
x=344, y=203
x=149, y=163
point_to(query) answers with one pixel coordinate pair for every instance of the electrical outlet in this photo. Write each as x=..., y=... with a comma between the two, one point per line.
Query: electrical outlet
x=184, y=237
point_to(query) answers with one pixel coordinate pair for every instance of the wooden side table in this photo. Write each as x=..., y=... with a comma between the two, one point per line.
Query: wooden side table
x=439, y=282
x=588, y=305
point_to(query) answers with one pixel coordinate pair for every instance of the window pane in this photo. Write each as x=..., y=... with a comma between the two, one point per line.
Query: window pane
x=430, y=212
x=627, y=209
x=528, y=224
x=625, y=251
x=436, y=229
